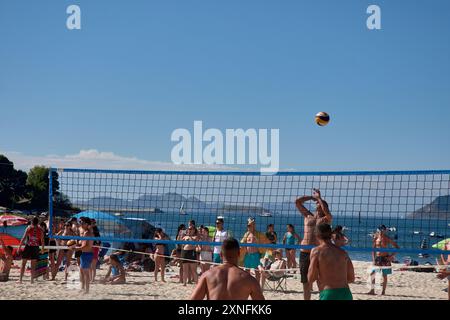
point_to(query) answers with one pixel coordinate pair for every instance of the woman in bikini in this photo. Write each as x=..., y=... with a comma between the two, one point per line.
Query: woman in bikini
x=64, y=253
x=159, y=256
x=291, y=238
x=188, y=252
x=205, y=250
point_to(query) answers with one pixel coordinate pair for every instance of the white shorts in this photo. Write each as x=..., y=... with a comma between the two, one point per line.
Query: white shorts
x=206, y=256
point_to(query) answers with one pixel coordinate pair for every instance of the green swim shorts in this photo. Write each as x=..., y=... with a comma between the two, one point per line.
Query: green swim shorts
x=336, y=294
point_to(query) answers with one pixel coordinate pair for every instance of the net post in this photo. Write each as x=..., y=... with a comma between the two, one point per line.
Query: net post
x=50, y=201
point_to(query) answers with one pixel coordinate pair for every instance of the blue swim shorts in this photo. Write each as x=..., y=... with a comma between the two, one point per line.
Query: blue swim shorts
x=86, y=260
x=252, y=260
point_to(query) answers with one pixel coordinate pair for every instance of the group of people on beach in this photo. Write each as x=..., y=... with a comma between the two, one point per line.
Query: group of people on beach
x=224, y=269
x=36, y=241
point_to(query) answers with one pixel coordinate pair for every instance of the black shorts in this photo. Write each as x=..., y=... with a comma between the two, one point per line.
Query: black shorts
x=188, y=254
x=52, y=243
x=304, y=266
x=78, y=253
x=31, y=253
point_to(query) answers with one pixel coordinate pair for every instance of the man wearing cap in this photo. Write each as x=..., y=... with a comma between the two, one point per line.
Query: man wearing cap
x=321, y=215
x=381, y=259
x=220, y=235
x=252, y=255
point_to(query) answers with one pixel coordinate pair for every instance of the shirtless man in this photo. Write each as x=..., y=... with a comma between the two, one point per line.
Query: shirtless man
x=252, y=255
x=331, y=267
x=6, y=260
x=85, y=246
x=381, y=259
x=227, y=281
x=321, y=215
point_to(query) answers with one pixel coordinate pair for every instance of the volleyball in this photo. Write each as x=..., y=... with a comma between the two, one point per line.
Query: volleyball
x=322, y=118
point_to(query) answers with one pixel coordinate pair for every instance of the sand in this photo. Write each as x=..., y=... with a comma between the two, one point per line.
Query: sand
x=402, y=285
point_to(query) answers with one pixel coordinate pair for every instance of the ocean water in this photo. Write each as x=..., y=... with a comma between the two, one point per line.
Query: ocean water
x=410, y=233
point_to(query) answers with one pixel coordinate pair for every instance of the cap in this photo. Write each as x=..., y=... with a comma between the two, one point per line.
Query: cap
x=219, y=219
x=250, y=220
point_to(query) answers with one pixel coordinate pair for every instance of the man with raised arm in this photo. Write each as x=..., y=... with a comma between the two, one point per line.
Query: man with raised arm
x=331, y=267
x=321, y=215
x=228, y=281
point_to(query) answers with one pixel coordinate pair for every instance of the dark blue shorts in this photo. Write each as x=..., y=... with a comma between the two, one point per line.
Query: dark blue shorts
x=86, y=260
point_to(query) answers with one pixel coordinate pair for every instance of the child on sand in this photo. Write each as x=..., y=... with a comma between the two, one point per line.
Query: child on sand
x=117, y=271
x=6, y=260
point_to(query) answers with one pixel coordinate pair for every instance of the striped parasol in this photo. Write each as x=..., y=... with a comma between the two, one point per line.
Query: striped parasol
x=12, y=220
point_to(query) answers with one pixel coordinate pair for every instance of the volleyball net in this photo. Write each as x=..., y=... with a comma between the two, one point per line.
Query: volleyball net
x=128, y=206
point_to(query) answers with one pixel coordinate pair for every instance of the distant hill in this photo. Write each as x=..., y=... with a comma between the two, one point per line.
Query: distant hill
x=439, y=208
x=171, y=201
x=166, y=202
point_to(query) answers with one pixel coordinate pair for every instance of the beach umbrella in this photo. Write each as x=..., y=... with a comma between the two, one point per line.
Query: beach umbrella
x=9, y=241
x=12, y=221
x=441, y=244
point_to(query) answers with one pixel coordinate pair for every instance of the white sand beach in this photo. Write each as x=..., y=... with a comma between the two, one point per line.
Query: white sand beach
x=402, y=285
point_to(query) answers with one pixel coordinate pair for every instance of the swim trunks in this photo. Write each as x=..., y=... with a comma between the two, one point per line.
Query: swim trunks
x=336, y=294
x=304, y=266
x=86, y=260
x=31, y=252
x=52, y=243
x=382, y=261
x=251, y=260
x=216, y=258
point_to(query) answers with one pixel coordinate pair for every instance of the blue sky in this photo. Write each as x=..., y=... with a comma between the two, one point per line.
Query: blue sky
x=138, y=70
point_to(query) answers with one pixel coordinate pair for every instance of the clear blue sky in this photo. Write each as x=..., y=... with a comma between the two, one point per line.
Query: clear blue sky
x=140, y=69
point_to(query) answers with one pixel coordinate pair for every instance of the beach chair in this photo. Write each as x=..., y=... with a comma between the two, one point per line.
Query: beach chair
x=277, y=282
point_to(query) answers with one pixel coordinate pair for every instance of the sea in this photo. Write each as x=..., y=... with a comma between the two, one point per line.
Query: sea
x=407, y=233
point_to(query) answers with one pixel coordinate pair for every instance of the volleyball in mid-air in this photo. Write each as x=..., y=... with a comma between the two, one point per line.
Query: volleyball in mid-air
x=322, y=118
